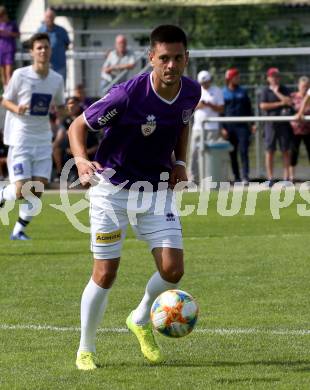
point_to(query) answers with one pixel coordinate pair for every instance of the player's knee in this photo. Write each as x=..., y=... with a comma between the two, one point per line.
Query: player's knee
x=172, y=274
x=104, y=278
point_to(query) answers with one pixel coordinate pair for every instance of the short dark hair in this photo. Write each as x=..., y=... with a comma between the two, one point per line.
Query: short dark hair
x=38, y=37
x=167, y=33
x=75, y=99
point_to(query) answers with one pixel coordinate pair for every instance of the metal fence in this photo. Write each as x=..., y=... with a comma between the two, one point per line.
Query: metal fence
x=84, y=66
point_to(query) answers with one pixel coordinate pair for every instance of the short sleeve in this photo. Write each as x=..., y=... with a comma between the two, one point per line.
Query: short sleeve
x=12, y=88
x=66, y=37
x=131, y=58
x=108, y=60
x=263, y=96
x=198, y=95
x=219, y=97
x=107, y=110
x=59, y=98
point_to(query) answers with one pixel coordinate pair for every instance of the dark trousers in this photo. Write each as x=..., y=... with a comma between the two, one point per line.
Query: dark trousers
x=296, y=141
x=239, y=137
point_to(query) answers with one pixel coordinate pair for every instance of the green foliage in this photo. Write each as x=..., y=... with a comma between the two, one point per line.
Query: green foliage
x=229, y=26
x=226, y=27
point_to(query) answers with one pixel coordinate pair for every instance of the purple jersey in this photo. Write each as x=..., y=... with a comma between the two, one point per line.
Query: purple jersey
x=7, y=44
x=141, y=128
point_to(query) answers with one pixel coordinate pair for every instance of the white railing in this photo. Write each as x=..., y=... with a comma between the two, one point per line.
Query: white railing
x=242, y=119
x=248, y=119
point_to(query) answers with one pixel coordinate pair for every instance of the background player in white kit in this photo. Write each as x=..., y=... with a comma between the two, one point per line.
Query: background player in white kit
x=28, y=97
x=145, y=120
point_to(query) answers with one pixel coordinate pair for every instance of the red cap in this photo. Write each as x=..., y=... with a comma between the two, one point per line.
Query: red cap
x=272, y=72
x=231, y=73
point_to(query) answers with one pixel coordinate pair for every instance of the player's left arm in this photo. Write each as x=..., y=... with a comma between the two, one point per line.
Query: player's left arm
x=178, y=172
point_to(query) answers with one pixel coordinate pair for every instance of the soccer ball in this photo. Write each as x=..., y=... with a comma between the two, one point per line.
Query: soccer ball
x=174, y=313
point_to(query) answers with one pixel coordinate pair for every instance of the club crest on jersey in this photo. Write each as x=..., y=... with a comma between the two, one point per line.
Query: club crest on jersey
x=149, y=127
x=186, y=116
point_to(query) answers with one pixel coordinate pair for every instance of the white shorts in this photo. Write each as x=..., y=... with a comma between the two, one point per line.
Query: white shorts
x=152, y=215
x=24, y=162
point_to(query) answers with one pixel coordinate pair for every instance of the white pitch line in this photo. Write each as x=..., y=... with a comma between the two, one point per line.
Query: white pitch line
x=198, y=238
x=284, y=235
x=218, y=331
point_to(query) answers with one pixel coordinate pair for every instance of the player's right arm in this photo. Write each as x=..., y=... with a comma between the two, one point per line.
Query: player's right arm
x=77, y=134
x=99, y=115
x=10, y=96
x=15, y=108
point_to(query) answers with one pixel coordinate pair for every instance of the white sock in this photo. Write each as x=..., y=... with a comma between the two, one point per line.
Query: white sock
x=24, y=218
x=155, y=286
x=9, y=192
x=93, y=304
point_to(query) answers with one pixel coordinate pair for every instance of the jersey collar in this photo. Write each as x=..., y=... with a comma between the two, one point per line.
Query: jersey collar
x=161, y=98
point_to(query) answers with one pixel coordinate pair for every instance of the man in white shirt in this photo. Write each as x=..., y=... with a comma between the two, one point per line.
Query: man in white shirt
x=118, y=60
x=28, y=97
x=211, y=105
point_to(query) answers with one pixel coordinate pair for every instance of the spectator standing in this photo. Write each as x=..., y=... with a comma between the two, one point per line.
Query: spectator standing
x=276, y=101
x=211, y=104
x=301, y=129
x=118, y=60
x=59, y=42
x=8, y=34
x=237, y=103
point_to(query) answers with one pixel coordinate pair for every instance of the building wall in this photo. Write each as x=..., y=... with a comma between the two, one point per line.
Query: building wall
x=92, y=36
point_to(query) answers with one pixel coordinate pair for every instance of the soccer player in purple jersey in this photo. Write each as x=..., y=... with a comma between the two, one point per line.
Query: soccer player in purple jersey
x=145, y=122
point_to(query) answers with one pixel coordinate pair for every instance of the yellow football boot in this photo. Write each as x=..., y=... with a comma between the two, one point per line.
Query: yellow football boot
x=86, y=361
x=148, y=344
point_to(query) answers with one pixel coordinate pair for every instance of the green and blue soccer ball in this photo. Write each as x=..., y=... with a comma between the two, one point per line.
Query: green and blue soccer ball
x=174, y=313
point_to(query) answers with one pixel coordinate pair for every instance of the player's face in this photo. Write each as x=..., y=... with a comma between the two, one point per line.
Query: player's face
x=168, y=61
x=41, y=51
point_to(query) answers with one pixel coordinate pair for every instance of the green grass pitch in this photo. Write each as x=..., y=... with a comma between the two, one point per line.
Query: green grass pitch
x=249, y=274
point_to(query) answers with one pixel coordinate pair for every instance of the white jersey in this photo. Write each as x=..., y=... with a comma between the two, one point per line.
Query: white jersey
x=211, y=95
x=27, y=87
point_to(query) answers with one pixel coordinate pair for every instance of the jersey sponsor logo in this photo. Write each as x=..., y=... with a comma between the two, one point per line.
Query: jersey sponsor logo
x=40, y=104
x=108, y=238
x=18, y=169
x=149, y=127
x=104, y=119
x=186, y=116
